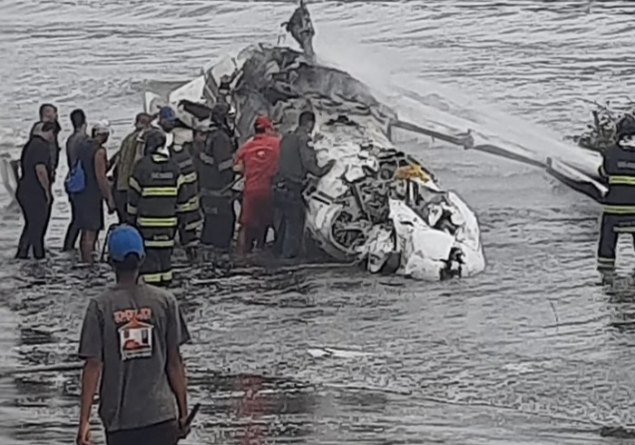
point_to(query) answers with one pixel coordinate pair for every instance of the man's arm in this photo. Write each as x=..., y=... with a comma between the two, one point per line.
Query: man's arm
x=309, y=159
x=134, y=194
x=176, y=335
x=101, y=170
x=222, y=152
x=42, y=172
x=239, y=164
x=90, y=349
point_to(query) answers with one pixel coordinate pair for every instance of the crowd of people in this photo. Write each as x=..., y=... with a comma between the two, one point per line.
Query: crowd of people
x=171, y=191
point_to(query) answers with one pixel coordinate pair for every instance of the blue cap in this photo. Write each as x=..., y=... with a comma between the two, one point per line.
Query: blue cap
x=123, y=241
x=167, y=113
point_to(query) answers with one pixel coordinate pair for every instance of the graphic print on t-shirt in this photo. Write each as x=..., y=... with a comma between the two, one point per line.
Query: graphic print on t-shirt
x=135, y=337
x=135, y=340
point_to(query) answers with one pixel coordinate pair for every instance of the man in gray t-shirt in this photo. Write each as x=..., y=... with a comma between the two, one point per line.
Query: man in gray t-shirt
x=130, y=339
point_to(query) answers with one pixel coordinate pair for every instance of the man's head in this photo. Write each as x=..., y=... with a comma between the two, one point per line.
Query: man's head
x=167, y=119
x=48, y=113
x=625, y=130
x=306, y=121
x=154, y=139
x=200, y=132
x=142, y=121
x=126, y=250
x=46, y=130
x=78, y=119
x=101, y=132
x=263, y=125
x=219, y=113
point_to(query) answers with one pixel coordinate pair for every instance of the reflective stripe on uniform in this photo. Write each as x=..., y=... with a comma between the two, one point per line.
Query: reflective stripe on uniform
x=157, y=222
x=226, y=164
x=134, y=184
x=159, y=243
x=157, y=277
x=622, y=180
x=619, y=210
x=131, y=210
x=185, y=163
x=190, y=178
x=159, y=191
x=160, y=158
x=607, y=261
x=194, y=225
x=624, y=229
x=180, y=181
x=207, y=159
x=190, y=206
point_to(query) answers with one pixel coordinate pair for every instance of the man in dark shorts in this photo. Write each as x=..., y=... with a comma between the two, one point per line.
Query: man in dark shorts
x=89, y=202
x=74, y=141
x=131, y=338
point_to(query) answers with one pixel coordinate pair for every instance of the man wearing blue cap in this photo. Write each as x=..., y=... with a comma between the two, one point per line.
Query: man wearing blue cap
x=130, y=339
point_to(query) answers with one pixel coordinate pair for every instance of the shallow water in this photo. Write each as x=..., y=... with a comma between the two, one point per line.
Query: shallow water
x=531, y=351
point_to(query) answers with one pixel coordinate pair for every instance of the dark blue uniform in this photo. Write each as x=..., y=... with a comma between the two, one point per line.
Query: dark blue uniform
x=618, y=168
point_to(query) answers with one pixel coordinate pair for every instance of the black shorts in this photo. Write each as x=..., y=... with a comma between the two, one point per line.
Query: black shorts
x=90, y=213
x=164, y=433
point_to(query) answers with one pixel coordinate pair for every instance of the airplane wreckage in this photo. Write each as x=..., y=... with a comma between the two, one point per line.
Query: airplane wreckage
x=377, y=204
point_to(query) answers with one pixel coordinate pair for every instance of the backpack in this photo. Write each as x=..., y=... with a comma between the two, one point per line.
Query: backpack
x=76, y=180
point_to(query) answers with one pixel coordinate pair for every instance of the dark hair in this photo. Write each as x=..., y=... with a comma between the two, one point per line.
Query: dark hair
x=306, y=117
x=142, y=116
x=130, y=263
x=43, y=108
x=48, y=126
x=78, y=118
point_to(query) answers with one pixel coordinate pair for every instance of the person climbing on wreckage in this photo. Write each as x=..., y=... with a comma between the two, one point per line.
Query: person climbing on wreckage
x=297, y=160
x=618, y=167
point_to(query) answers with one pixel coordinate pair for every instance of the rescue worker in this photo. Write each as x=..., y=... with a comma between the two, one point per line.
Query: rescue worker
x=130, y=152
x=216, y=177
x=157, y=200
x=297, y=159
x=618, y=167
x=191, y=212
x=73, y=143
x=257, y=160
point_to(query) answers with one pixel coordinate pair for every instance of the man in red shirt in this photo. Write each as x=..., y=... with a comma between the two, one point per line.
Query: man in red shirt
x=257, y=160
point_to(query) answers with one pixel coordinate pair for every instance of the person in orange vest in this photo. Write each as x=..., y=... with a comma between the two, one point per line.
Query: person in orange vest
x=257, y=160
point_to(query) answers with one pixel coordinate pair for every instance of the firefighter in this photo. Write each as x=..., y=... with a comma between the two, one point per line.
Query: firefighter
x=191, y=212
x=216, y=176
x=618, y=167
x=157, y=205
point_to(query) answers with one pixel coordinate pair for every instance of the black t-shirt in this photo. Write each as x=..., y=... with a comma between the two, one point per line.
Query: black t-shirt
x=35, y=152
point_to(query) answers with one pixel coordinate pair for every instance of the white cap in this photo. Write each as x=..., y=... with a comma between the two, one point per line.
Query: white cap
x=102, y=127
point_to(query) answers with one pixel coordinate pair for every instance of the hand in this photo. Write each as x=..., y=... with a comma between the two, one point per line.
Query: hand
x=83, y=435
x=184, y=428
x=111, y=205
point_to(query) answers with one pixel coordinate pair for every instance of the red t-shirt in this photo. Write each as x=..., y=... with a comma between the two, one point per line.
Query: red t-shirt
x=260, y=156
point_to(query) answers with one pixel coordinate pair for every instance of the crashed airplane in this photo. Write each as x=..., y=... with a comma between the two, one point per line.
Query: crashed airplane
x=377, y=205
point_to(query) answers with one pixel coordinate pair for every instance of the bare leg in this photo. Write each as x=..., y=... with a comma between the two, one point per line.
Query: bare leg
x=87, y=246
